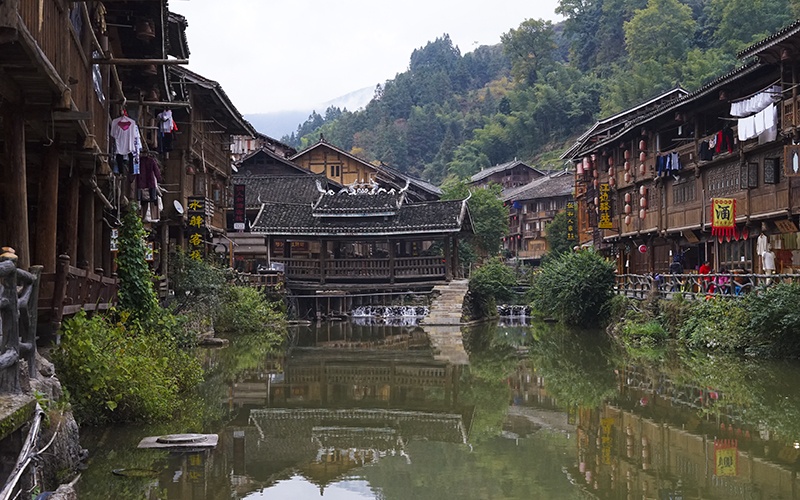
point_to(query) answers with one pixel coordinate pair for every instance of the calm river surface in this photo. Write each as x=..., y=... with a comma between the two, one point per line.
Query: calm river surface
x=361, y=412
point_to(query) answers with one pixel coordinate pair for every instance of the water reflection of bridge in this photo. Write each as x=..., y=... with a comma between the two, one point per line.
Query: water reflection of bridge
x=341, y=399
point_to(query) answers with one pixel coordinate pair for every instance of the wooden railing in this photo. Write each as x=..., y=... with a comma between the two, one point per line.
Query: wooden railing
x=18, y=297
x=70, y=290
x=269, y=280
x=698, y=286
x=425, y=268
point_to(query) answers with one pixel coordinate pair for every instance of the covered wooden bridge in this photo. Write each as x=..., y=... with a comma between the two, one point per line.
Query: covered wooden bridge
x=364, y=234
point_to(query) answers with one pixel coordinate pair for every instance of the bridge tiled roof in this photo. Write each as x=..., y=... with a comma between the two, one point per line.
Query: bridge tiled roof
x=409, y=218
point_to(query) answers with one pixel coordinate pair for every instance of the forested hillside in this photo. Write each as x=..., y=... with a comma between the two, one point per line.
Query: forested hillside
x=451, y=114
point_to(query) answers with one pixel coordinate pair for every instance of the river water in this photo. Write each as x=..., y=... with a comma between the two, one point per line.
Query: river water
x=351, y=411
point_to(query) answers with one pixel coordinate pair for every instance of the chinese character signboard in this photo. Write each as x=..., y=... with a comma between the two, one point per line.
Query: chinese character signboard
x=239, y=207
x=196, y=212
x=723, y=217
x=604, y=208
x=572, y=223
x=726, y=457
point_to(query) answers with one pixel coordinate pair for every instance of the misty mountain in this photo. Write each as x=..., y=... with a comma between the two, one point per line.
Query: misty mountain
x=280, y=123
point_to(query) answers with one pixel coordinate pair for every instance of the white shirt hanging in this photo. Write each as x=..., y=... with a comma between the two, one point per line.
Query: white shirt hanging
x=126, y=134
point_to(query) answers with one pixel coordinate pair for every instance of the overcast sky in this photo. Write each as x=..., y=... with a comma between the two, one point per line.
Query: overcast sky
x=294, y=54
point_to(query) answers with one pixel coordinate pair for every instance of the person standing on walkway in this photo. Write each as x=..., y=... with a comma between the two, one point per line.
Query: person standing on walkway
x=705, y=268
x=768, y=263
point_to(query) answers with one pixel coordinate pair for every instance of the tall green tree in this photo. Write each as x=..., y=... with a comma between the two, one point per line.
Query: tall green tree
x=530, y=48
x=662, y=32
x=557, y=236
x=489, y=214
x=742, y=22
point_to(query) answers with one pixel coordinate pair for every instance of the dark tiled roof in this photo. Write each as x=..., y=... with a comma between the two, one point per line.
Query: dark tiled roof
x=623, y=118
x=410, y=218
x=666, y=108
x=233, y=120
x=278, y=158
x=176, y=36
x=347, y=203
x=421, y=184
x=275, y=189
x=500, y=168
x=546, y=187
x=771, y=40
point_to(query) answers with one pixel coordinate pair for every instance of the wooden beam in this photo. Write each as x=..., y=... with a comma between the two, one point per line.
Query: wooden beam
x=160, y=104
x=70, y=215
x=14, y=173
x=86, y=228
x=139, y=62
x=47, y=222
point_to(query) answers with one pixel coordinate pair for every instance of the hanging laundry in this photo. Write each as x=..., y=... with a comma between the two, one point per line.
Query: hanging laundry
x=770, y=122
x=166, y=127
x=668, y=164
x=756, y=103
x=706, y=151
x=126, y=134
x=147, y=180
x=127, y=140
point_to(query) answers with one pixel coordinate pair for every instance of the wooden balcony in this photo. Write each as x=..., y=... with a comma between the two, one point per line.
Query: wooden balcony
x=364, y=270
x=64, y=56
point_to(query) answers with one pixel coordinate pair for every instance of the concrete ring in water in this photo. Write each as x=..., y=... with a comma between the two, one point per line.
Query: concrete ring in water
x=181, y=438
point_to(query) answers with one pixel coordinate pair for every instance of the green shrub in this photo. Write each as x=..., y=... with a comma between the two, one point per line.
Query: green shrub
x=117, y=372
x=649, y=333
x=720, y=324
x=245, y=310
x=774, y=322
x=197, y=284
x=491, y=282
x=575, y=288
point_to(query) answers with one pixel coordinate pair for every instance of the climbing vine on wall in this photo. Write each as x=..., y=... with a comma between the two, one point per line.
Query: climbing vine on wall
x=136, y=293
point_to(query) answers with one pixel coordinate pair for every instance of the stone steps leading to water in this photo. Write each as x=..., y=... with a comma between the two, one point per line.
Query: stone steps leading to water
x=446, y=307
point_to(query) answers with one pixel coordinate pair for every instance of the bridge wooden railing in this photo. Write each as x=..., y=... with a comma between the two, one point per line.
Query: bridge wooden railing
x=698, y=286
x=402, y=268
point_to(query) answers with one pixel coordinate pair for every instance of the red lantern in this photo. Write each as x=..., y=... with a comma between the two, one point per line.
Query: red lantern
x=627, y=209
x=627, y=197
x=596, y=201
x=627, y=166
x=642, y=156
x=642, y=190
x=595, y=183
x=627, y=154
x=627, y=177
x=611, y=172
x=745, y=233
x=612, y=182
x=643, y=202
x=642, y=213
x=579, y=168
x=610, y=160
x=627, y=220
x=642, y=169
x=642, y=248
x=642, y=145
